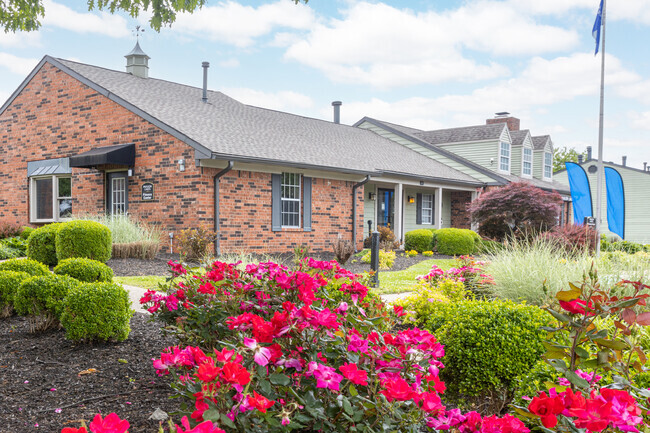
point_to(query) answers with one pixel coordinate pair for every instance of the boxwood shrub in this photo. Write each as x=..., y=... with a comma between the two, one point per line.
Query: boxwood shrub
x=41, y=298
x=26, y=231
x=419, y=240
x=41, y=244
x=32, y=267
x=97, y=311
x=455, y=242
x=86, y=270
x=9, y=282
x=80, y=238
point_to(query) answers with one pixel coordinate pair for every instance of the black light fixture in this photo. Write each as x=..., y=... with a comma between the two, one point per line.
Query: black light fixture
x=410, y=199
x=371, y=195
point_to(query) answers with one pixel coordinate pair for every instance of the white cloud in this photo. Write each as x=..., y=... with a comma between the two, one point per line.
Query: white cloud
x=422, y=47
x=630, y=10
x=639, y=90
x=20, y=39
x=640, y=120
x=17, y=65
x=282, y=100
x=240, y=25
x=229, y=63
x=58, y=15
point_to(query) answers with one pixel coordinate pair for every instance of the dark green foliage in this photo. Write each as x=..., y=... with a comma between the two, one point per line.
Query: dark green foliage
x=32, y=267
x=82, y=238
x=454, y=242
x=419, y=240
x=26, y=232
x=41, y=244
x=7, y=252
x=86, y=270
x=97, y=311
x=625, y=246
x=9, y=282
x=488, y=345
x=41, y=298
x=16, y=244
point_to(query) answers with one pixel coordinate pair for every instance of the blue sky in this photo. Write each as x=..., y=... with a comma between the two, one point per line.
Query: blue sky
x=424, y=64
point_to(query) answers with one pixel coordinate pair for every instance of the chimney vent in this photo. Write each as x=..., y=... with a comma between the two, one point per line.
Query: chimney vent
x=137, y=62
x=205, y=65
x=624, y=161
x=645, y=165
x=504, y=117
x=580, y=158
x=337, y=111
x=588, y=153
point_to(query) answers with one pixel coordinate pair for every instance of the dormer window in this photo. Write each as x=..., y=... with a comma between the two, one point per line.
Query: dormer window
x=548, y=165
x=527, y=168
x=504, y=157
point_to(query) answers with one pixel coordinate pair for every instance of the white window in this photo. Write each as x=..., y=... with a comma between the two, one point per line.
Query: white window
x=290, y=199
x=427, y=208
x=527, y=168
x=50, y=198
x=504, y=157
x=548, y=165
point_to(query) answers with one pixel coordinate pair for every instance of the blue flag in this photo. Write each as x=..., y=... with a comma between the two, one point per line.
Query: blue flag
x=615, y=202
x=580, y=192
x=595, y=32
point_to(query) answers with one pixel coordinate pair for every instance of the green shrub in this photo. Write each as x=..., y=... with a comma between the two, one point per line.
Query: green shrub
x=86, y=270
x=41, y=244
x=419, y=240
x=87, y=239
x=6, y=252
x=97, y=311
x=488, y=345
x=455, y=242
x=9, y=282
x=32, y=267
x=16, y=243
x=26, y=231
x=41, y=298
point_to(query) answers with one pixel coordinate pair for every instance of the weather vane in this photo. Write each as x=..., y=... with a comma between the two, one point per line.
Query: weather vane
x=137, y=31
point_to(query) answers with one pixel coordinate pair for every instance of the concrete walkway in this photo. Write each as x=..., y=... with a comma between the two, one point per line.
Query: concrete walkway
x=135, y=293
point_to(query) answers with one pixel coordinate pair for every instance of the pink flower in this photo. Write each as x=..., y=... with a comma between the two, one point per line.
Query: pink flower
x=111, y=424
x=399, y=310
x=445, y=422
x=326, y=377
x=204, y=427
x=358, y=344
x=262, y=354
x=352, y=373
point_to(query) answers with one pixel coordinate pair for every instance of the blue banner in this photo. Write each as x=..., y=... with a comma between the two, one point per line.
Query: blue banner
x=595, y=32
x=615, y=202
x=580, y=192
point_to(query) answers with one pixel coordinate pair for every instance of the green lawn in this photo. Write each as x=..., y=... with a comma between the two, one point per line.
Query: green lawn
x=402, y=281
x=149, y=282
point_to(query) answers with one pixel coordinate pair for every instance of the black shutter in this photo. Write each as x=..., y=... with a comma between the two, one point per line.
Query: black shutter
x=307, y=204
x=418, y=210
x=276, y=202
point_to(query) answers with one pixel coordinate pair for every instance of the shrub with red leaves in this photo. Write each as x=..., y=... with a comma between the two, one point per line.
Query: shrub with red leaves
x=519, y=209
x=573, y=237
x=9, y=229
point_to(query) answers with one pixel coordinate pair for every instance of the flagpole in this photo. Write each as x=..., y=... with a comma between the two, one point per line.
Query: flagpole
x=599, y=177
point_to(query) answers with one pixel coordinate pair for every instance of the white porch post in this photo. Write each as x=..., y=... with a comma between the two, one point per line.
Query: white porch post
x=397, y=229
x=473, y=225
x=438, y=209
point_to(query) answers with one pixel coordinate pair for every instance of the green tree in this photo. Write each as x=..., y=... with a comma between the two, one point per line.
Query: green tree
x=565, y=154
x=25, y=15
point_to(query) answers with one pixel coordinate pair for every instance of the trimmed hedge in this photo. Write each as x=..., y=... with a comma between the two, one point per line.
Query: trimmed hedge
x=419, y=240
x=42, y=298
x=32, y=267
x=41, y=244
x=26, y=232
x=456, y=242
x=9, y=282
x=86, y=270
x=81, y=238
x=97, y=311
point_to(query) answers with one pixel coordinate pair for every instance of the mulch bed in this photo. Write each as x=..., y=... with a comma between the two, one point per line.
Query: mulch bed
x=46, y=381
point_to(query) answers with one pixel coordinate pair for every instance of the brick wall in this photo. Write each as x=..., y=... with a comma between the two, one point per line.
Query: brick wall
x=511, y=122
x=459, y=214
x=57, y=116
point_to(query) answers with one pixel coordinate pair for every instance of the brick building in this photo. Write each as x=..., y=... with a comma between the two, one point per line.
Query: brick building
x=82, y=139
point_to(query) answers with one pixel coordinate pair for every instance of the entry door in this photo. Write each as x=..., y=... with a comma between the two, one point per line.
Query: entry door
x=386, y=211
x=117, y=187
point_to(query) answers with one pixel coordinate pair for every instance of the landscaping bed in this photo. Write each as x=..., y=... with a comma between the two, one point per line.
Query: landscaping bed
x=49, y=383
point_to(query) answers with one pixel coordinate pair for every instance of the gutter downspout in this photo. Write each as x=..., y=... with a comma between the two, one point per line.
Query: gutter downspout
x=354, y=210
x=217, y=177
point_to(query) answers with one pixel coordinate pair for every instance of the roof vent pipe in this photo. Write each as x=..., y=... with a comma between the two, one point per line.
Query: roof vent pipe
x=624, y=161
x=205, y=65
x=337, y=111
x=580, y=158
x=645, y=165
x=588, y=153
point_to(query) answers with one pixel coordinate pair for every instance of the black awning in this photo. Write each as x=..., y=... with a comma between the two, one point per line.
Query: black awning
x=120, y=154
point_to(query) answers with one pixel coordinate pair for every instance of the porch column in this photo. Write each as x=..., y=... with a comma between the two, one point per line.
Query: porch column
x=473, y=225
x=397, y=229
x=438, y=209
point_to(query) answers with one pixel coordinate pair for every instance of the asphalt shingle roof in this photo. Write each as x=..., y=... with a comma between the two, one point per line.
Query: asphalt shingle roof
x=518, y=137
x=229, y=128
x=540, y=141
x=462, y=134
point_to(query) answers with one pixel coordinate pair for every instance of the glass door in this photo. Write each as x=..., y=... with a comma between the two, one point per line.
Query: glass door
x=386, y=210
x=117, y=201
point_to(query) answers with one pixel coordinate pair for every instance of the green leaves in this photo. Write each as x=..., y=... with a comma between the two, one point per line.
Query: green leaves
x=279, y=379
